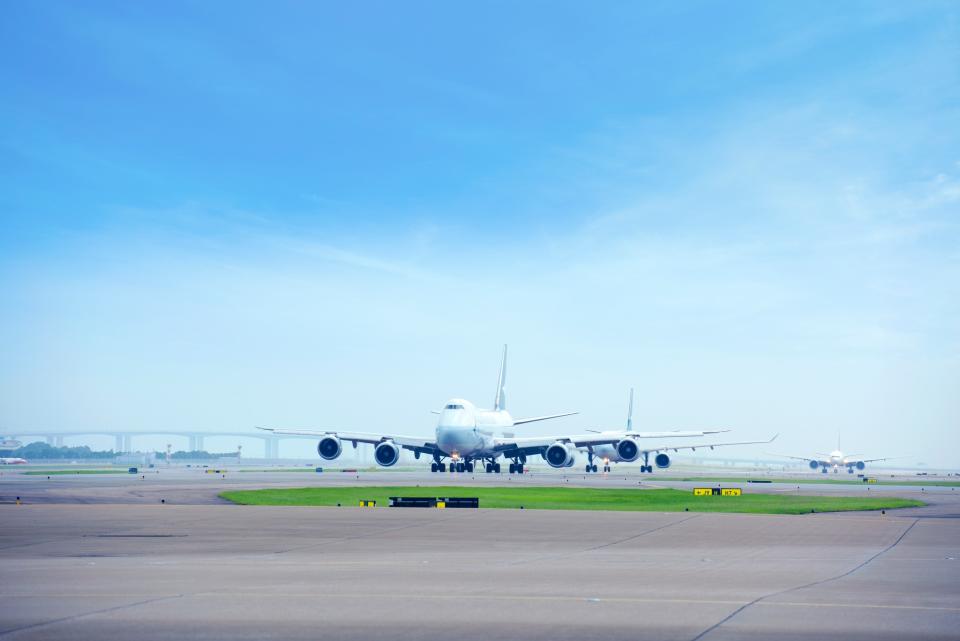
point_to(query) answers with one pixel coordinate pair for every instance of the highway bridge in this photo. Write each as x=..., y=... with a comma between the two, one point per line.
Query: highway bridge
x=124, y=439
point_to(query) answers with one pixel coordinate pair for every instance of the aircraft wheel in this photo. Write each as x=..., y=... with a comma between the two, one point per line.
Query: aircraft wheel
x=513, y=468
x=461, y=467
x=496, y=468
x=433, y=467
x=469, y=467
x=519, y=468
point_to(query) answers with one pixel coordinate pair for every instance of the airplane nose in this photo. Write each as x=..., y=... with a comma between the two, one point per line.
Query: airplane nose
x=456, y=419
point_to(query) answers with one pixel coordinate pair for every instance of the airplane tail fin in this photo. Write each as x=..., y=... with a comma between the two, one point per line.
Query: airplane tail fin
x=501, y=401
x=630, y=413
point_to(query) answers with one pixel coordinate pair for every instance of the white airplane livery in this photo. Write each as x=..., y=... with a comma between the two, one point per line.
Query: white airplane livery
x=630, y=447
x=835, y=460
x=465, y=436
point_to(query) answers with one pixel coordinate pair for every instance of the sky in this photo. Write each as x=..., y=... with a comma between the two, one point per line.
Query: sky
x=332, y=215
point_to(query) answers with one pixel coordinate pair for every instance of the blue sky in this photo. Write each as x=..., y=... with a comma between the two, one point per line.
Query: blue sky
x=230, y=214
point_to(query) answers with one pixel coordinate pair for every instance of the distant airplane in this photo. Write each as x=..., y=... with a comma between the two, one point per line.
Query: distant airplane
x=12, y=461
x=835, y=459
x=9, y=443
x=465, y=435
x=629, y=449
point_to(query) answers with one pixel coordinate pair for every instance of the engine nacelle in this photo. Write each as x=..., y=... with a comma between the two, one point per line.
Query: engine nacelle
x=860, y=465
x=387, y=454
x=814, y=465
x=627, y=450
x=329, y=447
x=560, y=454
x=662, y=461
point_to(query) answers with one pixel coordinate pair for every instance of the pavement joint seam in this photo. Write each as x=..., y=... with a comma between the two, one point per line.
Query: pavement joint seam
x=807, y=585
x=606, y=545
x=82, y=615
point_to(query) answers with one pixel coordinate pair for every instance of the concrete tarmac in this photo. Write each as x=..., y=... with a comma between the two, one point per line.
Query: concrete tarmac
x=100, y=557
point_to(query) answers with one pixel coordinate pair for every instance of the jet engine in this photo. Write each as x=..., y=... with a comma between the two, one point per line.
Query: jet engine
x=814, y=465
x=860, y=465
x=627, y=450
x=662, y=461
x=387, y=454
x=329, y=447
x=560, y=454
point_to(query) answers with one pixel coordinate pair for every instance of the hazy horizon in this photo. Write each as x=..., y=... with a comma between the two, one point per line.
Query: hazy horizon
x=305, y=218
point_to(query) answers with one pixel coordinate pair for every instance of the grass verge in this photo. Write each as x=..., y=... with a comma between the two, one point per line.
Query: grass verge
x=802, y=481
x=71, y=472
x=564, y=498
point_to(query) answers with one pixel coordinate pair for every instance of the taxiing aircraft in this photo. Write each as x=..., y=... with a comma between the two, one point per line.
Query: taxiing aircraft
x=12, y=461
x=629, y=448
x=465, y=435
x=835, y=460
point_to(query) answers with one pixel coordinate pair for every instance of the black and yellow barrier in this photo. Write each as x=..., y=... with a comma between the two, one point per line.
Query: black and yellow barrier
x=367, y=503
x=437, y=502
x=869, y=480
x=716, y=491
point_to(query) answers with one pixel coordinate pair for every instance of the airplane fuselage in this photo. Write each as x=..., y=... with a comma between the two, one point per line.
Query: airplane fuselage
x=464, y=431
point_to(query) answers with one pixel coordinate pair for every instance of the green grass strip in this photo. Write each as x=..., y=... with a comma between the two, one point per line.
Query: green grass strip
x=71, y=472
x=800, y=481
x=563, y=498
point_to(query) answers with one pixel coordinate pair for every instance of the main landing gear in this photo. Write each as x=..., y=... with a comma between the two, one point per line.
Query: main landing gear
x=492, y=466
x=591, y=467
x=517, y=466
x=646, y=468
x=465, y=465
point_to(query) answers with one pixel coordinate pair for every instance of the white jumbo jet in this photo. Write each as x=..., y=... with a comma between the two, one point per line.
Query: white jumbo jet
x=12, y=461
x=835, y=459
x=629, y=446
x=465, y=435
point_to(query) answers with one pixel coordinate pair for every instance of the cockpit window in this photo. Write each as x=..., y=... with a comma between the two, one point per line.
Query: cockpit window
x=453, y=406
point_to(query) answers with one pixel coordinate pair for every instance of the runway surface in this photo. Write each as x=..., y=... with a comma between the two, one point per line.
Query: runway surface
x=100, y=557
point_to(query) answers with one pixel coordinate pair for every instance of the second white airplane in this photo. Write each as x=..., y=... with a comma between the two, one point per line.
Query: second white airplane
x=835, y=460
x=465, y=436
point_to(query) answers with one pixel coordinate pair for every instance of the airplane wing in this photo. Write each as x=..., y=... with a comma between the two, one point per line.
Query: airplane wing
x=671, y=434
x=703, y=446
x=854, y=459
x=819, y=457
x=412, y=443
x=521, y=421
x=536, y=445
